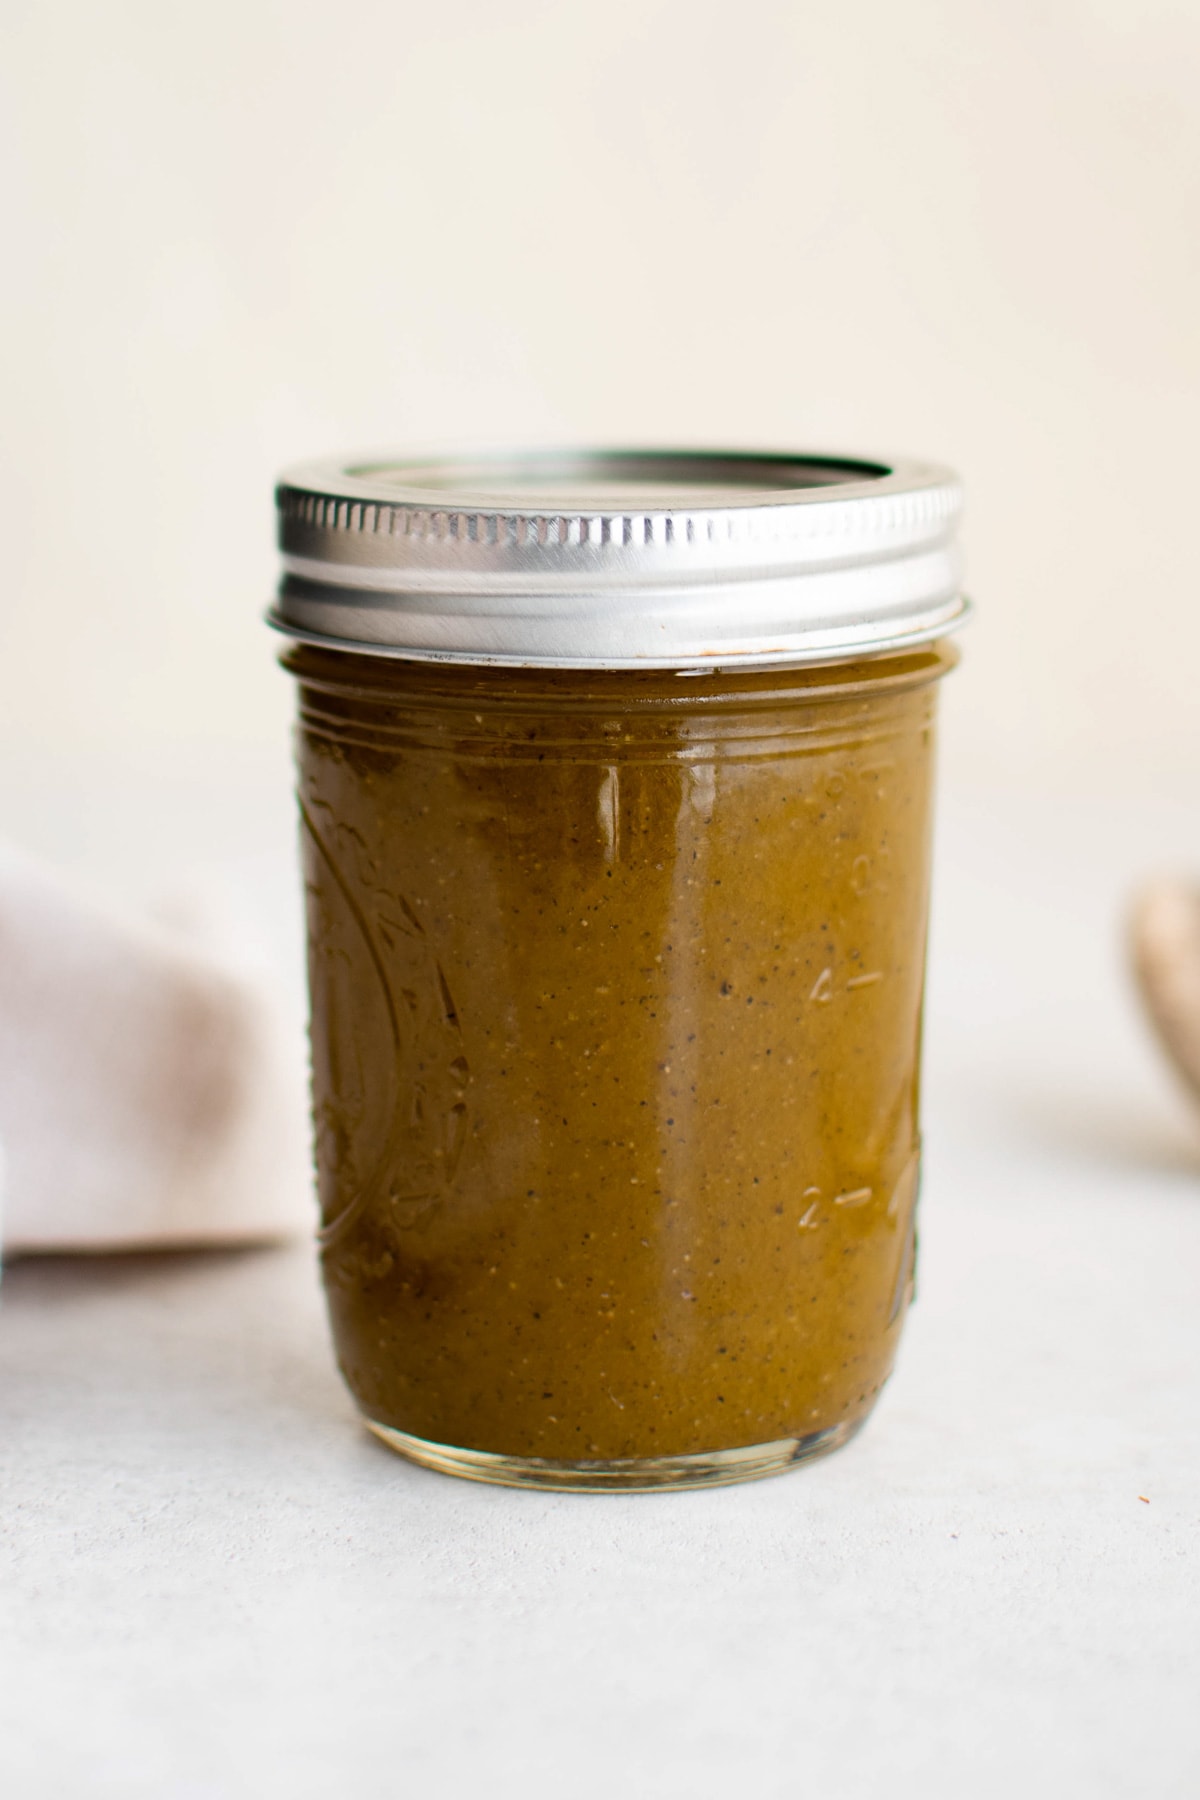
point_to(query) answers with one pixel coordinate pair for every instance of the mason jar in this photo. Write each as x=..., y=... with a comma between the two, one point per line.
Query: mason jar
x=615, y=780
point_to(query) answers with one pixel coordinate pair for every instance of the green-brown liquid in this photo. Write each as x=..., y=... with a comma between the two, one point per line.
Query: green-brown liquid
x=616, y=994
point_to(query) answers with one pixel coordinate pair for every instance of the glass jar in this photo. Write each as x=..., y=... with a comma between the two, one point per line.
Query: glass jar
x=615, y=783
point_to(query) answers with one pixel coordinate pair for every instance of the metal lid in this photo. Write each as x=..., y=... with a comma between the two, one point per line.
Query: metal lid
x=618, y=558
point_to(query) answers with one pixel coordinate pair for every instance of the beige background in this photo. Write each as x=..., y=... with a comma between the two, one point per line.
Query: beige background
x=238, y=234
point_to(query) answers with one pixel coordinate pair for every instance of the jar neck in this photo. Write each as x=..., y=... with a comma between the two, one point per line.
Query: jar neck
x=390, y=679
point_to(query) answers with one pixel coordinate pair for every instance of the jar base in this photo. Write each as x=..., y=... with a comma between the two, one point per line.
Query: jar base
x=635, y=1474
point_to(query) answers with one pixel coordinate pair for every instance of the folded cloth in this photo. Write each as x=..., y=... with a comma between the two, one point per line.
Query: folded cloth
x=151, y=1093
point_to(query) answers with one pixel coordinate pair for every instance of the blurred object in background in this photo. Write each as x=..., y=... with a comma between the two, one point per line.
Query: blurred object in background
x=148, y=1094
x=1165, y=932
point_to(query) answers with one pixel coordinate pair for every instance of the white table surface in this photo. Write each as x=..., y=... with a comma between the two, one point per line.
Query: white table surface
x=214, y=1585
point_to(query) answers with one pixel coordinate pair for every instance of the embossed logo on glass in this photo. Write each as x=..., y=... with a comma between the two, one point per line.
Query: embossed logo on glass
x=389, y=1070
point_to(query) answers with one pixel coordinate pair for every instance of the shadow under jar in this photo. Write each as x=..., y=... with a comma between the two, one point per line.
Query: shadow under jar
x=615, y=782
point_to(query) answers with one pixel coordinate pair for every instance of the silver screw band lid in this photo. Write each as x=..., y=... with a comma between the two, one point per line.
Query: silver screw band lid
x=619, y=558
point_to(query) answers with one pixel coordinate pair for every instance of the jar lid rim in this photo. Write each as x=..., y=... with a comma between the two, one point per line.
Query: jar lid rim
x=618, y=557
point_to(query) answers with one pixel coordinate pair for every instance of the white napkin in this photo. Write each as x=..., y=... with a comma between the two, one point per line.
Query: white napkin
x=150, y=1090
